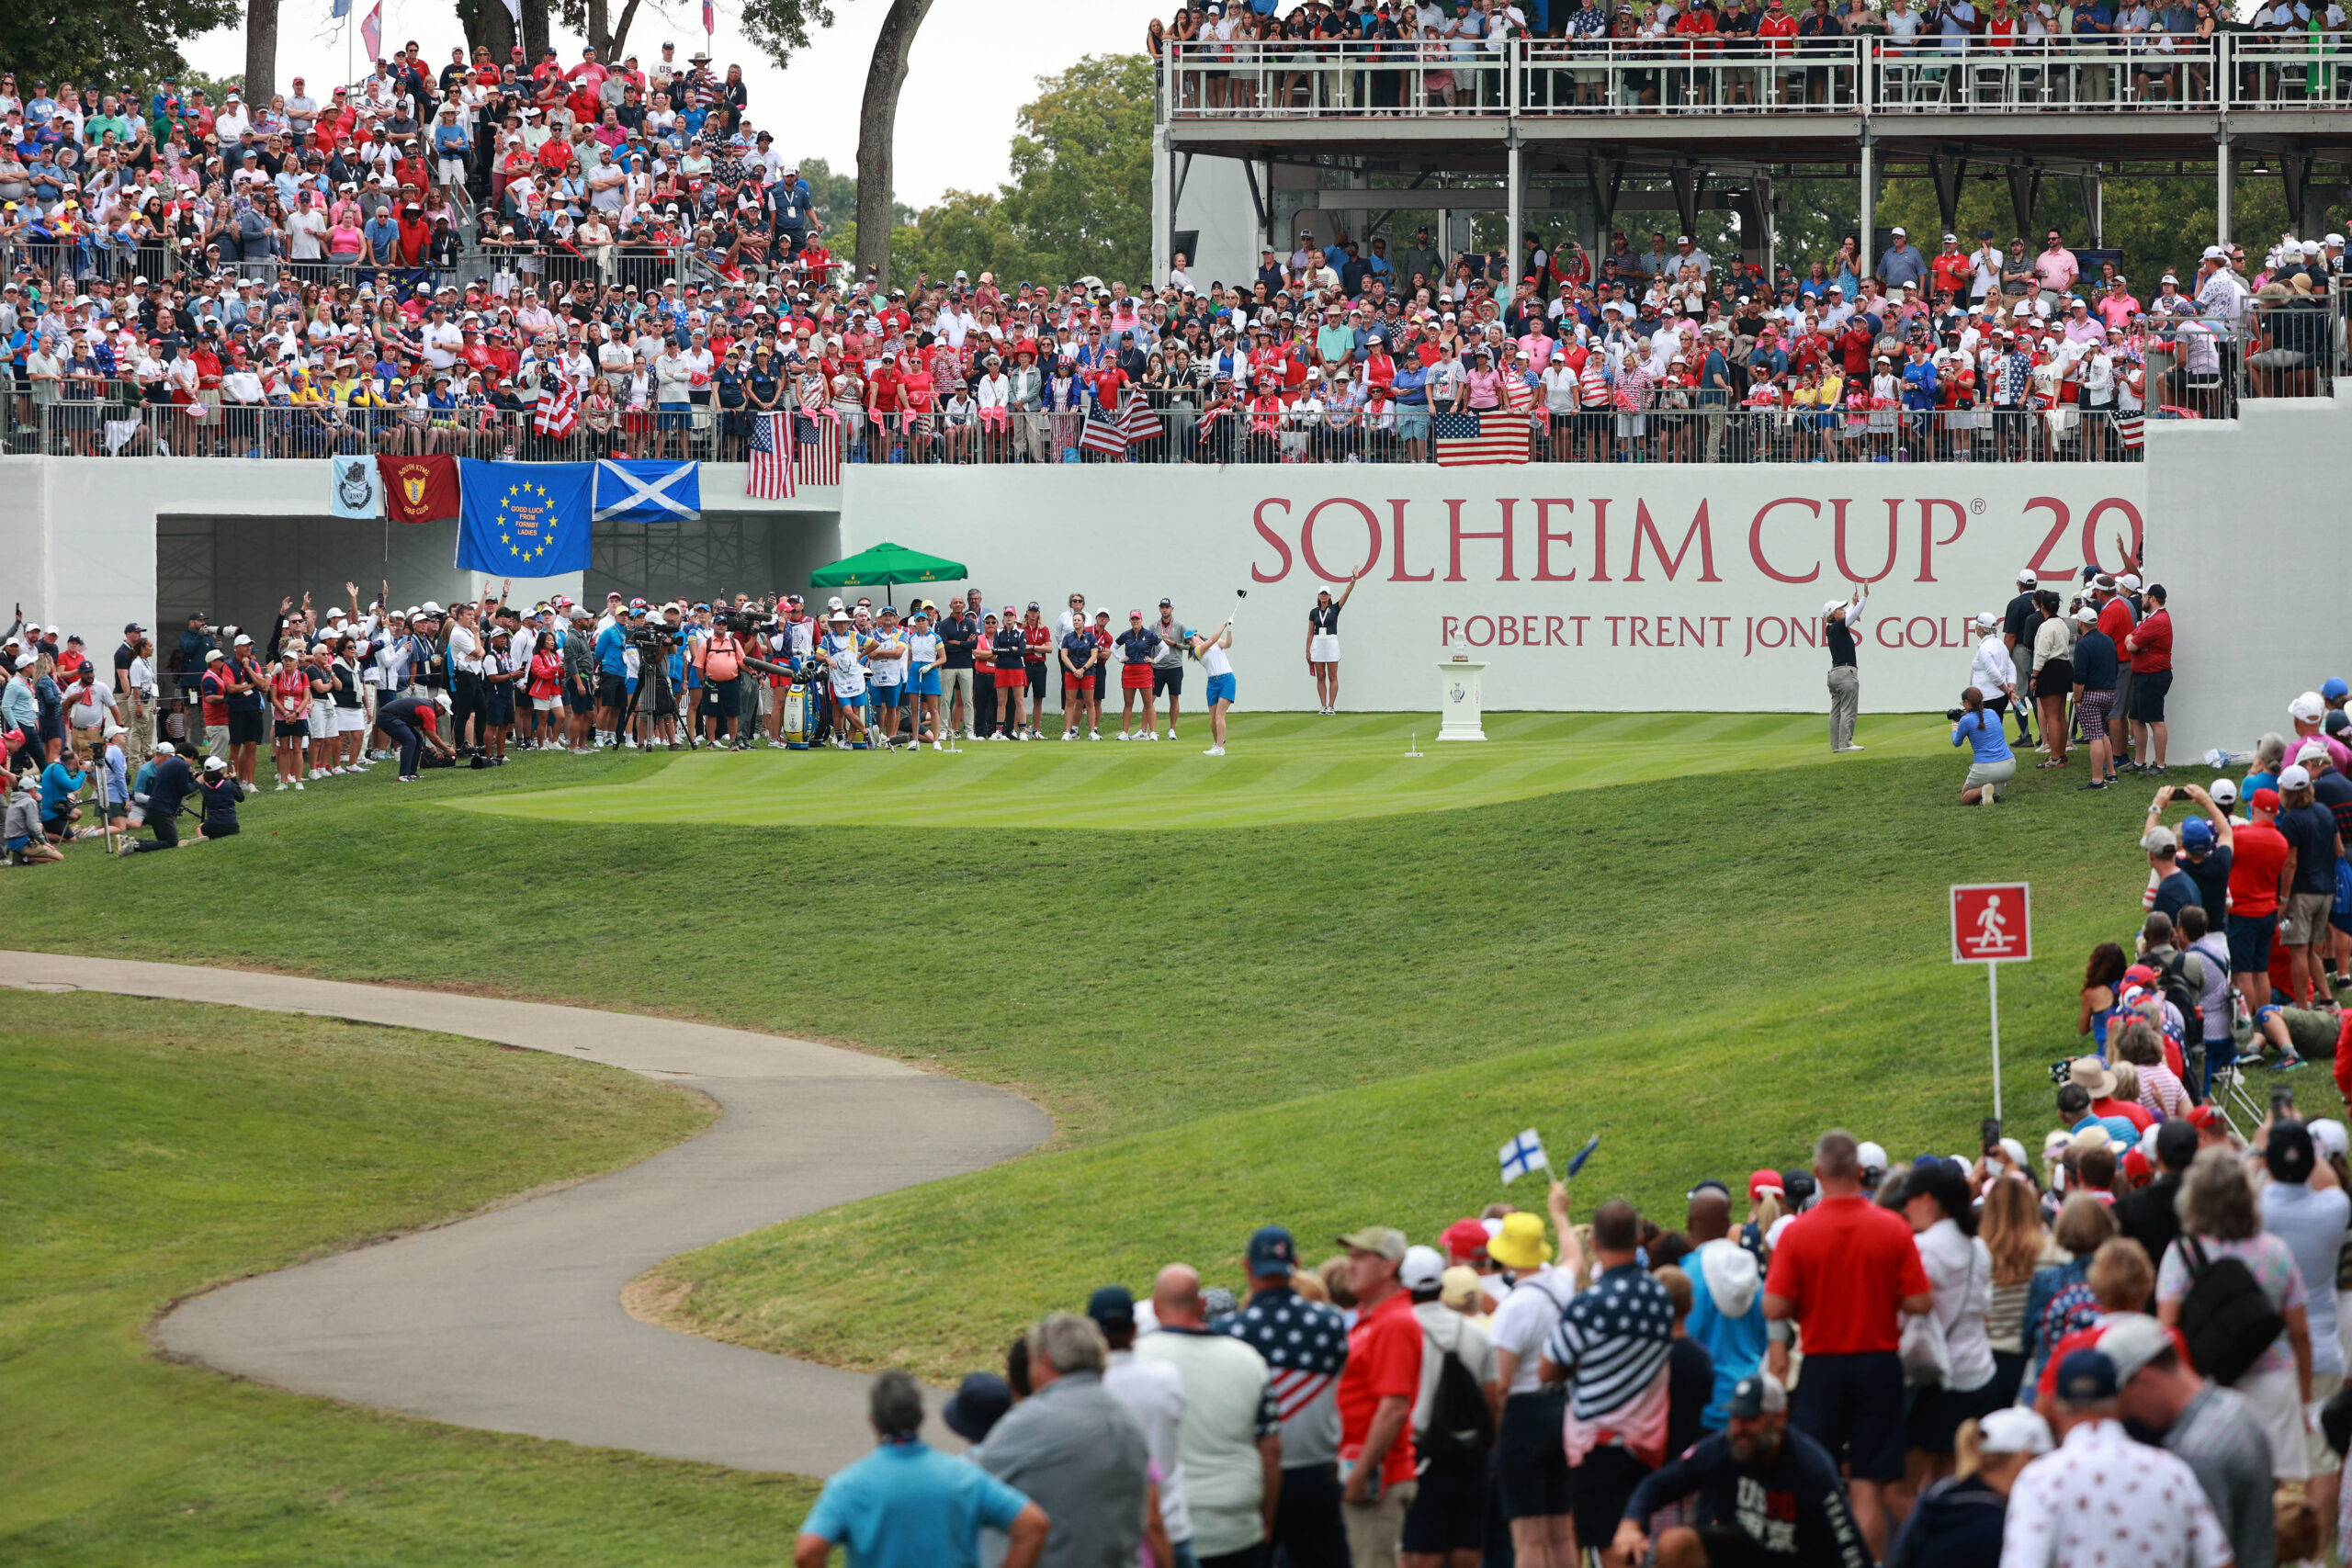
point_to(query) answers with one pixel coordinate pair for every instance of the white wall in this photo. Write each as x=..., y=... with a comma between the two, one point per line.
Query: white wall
x=2244, y=519
x=1587, y=606
x=2250, y=521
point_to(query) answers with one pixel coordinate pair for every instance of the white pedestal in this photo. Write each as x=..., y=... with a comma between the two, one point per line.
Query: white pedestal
x=1461, y=700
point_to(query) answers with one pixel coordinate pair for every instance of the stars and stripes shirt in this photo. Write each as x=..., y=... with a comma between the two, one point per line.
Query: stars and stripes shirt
x=1613, y=1338
x=1305, y=1346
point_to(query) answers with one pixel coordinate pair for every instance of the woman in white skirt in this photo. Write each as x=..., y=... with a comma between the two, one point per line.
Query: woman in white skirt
x=1323, y=646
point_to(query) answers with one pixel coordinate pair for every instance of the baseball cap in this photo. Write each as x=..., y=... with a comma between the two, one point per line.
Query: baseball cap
x=212, y=653
x=2295, y=777
x=1758, y=1393
x=2029, y=577
x=2307, y=707
x=1423, y=1268
x=975, y=1407
x=1113, y=1306
x=2311, y=751
x=2013, y=1429
x=1389, y=1244
x=2290, y=1155
x=215, y=765
x=2196, y=835
x=2131, y=1340
x=2334, y=688
x=1272, y=1253
x=2159, y=838
x=2086, y=1377
x=1872, y=1157
x=2224, y=792
x=1459, y=1288
x=165, y=749
x=1466, y=1238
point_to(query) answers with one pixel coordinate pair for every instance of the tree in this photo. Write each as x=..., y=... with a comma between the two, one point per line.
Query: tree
x=261, y=52
x=114, y=42
x=877, y=125
x=1080, y=197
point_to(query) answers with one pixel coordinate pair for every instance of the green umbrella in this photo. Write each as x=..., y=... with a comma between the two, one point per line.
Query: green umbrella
x=885, y=565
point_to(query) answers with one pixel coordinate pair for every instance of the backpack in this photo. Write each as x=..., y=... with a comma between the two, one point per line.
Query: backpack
x=2226, y=1317
x=2343, y=904
x=1461, y=1427
x=2172, y=978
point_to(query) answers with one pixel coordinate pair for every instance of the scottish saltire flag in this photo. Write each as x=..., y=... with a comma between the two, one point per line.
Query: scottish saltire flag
x=1522, y=1154
x=1466, y=439
x=637, y=491
x=524, y=519
x=358, y=488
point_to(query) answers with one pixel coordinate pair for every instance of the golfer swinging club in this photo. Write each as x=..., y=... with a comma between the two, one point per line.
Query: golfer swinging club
x=1209, y=648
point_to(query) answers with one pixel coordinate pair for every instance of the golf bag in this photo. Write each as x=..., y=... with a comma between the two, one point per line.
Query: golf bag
x=808, y=707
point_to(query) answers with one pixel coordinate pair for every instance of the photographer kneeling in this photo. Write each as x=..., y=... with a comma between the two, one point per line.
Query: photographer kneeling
x=1994, y=763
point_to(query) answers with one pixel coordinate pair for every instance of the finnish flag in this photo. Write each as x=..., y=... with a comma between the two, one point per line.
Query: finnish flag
x=640, y=491
x=1522, y=1154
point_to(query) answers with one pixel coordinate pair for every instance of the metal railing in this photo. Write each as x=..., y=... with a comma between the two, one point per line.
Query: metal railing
x=1739, y=75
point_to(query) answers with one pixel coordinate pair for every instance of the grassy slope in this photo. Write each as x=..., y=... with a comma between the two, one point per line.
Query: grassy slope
x=1711, y=968
x=148, y=1149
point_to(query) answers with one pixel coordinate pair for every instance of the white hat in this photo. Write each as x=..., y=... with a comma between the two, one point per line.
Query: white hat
x=2329, y=1135
x=1423, y=1269
x=2013, y=1429
x=26, y=660
x=2224, y=792
x=1831, y=607
x=2294, y=776
x=430, y=607
x=165, y=749
x=1987, y=620
x=2029, y=576
x=2307, y=707
x=1904, y=233
x=2087, y=615
x=2132, y=1339
x=2127, y=583
x=2312, y=750
x=215, y=765
x=1870, y=1157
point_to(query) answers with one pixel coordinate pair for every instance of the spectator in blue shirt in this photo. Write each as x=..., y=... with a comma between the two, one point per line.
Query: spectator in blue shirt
x=906, y=1505
x=1995, y=764
x=1901, y=263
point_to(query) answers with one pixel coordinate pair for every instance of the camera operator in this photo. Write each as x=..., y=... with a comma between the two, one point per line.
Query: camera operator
x=720, y=660
x=1994, y=765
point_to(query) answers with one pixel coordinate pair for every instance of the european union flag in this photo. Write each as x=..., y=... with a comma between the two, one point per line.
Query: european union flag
x=524, y=519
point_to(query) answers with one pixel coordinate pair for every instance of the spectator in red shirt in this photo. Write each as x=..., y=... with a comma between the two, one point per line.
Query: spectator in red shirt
x=1377, y=1394
x=2149, y=646
x=1846, y=1271
x=2261, y=870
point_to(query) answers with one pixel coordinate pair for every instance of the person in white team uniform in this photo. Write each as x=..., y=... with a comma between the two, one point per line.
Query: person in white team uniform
x=842, y=650
x=1209, y=648
x=1323, y=646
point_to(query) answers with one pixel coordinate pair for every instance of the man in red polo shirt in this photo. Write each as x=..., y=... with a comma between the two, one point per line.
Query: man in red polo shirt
x=2149, y=647
x=1846, y=1271
x=1376, y=1396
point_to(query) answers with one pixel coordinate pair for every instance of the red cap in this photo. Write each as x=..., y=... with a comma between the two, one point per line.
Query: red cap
x=2135, y=1165
x=1465, y=1238
x=2205, y=1118
x=1764, y=1182
x=2267, y=800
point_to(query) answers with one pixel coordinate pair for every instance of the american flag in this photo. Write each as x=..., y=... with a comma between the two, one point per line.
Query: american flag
x=1102, y=434
x=770, y=478
x=2133, y=428
x=1305, y=1344
x=1139, y=420
x=817, y=449
x=1466, y=439
x=558, y=411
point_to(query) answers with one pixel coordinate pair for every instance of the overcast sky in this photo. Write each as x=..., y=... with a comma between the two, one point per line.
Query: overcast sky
x=976, y=62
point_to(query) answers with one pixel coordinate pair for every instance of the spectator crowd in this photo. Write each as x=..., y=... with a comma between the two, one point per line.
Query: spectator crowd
x=2129, y=1350
x=441, y=260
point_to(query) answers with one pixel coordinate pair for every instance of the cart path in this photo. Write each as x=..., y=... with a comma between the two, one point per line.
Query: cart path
x=513, y=1320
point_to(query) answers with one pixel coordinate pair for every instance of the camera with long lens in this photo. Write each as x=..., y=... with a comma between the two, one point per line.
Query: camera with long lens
x=744, y=622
